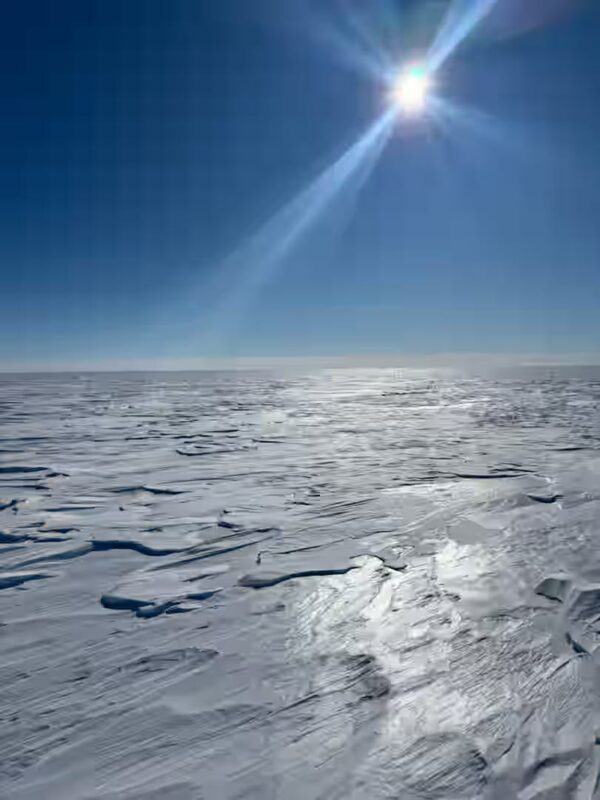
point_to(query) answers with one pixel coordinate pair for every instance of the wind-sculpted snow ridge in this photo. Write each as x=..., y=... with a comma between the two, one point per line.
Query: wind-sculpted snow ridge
x=348, y=584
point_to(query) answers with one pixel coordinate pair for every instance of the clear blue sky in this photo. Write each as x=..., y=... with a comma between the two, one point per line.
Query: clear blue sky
x=143, y=141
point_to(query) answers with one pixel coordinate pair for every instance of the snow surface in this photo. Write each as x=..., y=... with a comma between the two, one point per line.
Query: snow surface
x=348, y=584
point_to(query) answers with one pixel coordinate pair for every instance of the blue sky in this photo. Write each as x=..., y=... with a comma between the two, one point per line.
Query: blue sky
x=144, y=143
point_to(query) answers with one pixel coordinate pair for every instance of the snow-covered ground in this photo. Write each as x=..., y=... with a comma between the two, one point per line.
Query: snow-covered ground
x=349, y=584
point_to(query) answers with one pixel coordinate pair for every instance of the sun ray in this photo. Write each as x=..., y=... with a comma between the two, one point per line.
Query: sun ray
x=256, y=261
x=461, y=20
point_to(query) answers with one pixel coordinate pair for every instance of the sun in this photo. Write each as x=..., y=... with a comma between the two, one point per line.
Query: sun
x=410, y=90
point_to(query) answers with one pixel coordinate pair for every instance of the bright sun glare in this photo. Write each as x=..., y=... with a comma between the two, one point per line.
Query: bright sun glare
x=410, y=90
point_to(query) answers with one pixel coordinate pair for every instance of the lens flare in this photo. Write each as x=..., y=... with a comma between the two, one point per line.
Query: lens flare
x=410, y=90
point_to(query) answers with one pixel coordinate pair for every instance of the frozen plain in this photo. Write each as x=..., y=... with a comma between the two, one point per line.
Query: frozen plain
x=345, y=584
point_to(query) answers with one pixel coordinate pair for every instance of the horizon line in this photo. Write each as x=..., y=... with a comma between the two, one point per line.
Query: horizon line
x=250, y=363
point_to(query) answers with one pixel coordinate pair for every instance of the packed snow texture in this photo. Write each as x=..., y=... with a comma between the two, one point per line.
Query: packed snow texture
x=344, y=585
